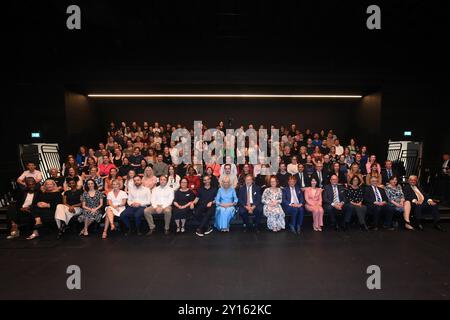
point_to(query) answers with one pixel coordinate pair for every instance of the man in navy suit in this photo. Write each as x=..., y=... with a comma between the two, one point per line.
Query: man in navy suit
x=293, y=203
x=250, y=204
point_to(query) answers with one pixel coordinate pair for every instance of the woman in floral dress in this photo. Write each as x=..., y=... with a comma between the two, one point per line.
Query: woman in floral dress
x=271, y=199
x=91, y=203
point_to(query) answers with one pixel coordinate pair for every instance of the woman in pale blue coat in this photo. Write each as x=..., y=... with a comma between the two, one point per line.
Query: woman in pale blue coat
x=226, y=201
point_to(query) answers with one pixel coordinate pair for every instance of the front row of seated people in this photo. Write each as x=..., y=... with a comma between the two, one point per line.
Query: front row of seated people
x=382, y=206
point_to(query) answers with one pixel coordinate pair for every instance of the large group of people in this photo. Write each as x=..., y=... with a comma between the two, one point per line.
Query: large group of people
x=132, y=179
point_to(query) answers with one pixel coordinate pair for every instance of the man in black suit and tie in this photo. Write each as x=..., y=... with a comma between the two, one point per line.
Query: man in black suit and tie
x=320, y=175
x=420, y=202
x=376, y=200
x=387, y=172
x=250, y=204
x=335, y=204
x=19, y=213
x=302, y=178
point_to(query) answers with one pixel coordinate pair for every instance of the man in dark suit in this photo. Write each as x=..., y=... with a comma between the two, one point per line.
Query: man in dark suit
x=249, y=203
x=320, y=175
x=420, y=202
x=302, y=177
x=335, y=203
x=293, y=204
x=387, y=172
x=376, y=200
x=19, y=213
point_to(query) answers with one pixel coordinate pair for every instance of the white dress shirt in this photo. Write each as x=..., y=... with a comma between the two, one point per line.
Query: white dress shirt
x=36, y=175
x=249, y=192
x=28, y=200
x=294, y=198
x=162, y=196
x=335, y=194
x=292, y=168
x=141, y=195
x=445, y=166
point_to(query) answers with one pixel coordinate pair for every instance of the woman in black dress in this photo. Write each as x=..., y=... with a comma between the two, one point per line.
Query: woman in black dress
x=355, y=196
x=44, y=205
x=118, y=157
x=182, y=204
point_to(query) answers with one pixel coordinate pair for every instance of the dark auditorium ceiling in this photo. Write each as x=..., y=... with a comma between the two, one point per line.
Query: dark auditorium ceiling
x=230, y=42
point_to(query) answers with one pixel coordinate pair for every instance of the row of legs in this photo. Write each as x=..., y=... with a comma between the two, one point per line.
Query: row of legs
x=378, y=216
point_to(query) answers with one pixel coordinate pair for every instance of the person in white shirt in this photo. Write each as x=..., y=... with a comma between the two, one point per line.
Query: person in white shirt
x=229, y=174
x=138, y=199
x=173, y=179
x=338, y=147
x=233, y=169
x=117, y=199
x=292, y=167
x=161, y=203
x=30, y=173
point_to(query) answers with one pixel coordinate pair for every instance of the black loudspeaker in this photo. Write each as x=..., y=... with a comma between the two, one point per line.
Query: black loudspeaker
x=29, y=152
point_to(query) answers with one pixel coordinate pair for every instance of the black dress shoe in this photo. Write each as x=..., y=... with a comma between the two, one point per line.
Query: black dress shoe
x=420, y=227
x=439, y=228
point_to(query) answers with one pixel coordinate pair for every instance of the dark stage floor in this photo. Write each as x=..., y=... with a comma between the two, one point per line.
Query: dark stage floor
x=238, y=265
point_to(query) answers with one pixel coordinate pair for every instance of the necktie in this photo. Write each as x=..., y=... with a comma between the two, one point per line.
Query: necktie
x=301, y=179
x=419, y=194
x=335, y=195
x=389, y=173
x=248, y=196
x=319, y=174
x=377, y=194
x=294, y=198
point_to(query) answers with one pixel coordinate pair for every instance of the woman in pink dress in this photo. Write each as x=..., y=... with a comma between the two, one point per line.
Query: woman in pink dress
x=313, y=198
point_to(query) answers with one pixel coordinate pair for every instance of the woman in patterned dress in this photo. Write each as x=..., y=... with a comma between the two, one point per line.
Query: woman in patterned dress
x=271, y=199
x=91, y=203
x=397, y=201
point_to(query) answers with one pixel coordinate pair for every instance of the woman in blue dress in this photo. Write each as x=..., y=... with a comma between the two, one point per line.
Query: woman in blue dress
x=226, y=200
